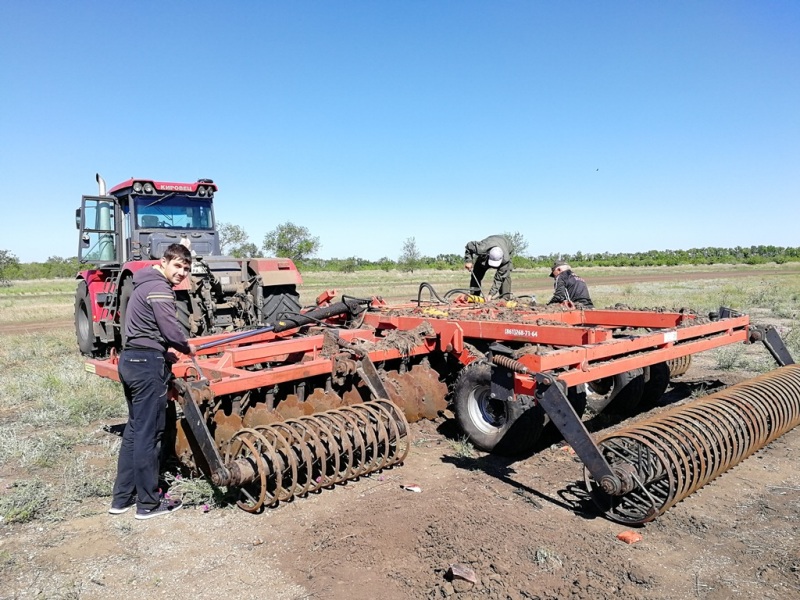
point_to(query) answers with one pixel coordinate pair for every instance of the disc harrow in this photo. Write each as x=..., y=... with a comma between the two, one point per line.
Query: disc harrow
x=293, y=458
x=677, y=452
x=325, y=395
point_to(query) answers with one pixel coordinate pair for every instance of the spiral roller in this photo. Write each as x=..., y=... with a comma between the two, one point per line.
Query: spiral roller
x=679, y=366
x=677, y=452
x=278, y=462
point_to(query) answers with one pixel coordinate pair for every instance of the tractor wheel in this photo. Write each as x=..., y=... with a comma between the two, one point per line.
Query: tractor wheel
x=84, y=322
x=125, y=291
x=279, y=300
x=656, y=381
x=498, y=426
x=620, y=394
x=183, y=306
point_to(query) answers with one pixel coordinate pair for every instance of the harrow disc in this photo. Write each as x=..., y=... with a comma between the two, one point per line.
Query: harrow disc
x=680, y=450
x=418, y=392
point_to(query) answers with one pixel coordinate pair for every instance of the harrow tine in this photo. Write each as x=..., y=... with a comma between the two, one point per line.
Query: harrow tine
x=284, y=460
x=679, y=451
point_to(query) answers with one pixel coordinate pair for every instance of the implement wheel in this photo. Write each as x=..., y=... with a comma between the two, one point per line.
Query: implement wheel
x=492, y=425
x=656, y=381
x=621, y=394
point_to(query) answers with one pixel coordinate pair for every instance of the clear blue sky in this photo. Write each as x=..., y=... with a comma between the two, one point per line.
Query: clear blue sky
x=592, y=126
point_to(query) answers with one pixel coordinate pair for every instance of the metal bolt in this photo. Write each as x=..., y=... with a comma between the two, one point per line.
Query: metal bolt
x=610, y=485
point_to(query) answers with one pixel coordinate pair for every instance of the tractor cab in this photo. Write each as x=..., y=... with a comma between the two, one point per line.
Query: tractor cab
x=138, y=219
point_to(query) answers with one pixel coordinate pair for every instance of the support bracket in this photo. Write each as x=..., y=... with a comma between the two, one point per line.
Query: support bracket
x=613, y=481
x=187, y=391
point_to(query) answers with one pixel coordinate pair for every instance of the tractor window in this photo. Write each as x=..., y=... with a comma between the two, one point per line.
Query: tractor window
x=99, y=234
x=173, y=212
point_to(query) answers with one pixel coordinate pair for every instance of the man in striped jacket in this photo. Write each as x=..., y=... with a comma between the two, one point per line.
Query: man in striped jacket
x=151, y=329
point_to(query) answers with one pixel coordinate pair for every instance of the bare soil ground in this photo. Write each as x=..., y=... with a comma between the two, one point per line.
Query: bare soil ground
x=524, y=527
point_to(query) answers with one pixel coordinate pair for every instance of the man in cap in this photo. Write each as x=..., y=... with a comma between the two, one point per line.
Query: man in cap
x=491, y=252
x=568, y=287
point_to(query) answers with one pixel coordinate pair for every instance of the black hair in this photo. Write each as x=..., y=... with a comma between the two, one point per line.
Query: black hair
x=178, y=251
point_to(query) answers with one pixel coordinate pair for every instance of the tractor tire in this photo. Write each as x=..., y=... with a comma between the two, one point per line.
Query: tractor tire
x=125, y=291
x=621, y=394
x=88, y=343
x=183, y=311
x=656, y=381
x=492, y=425
x=278, y=301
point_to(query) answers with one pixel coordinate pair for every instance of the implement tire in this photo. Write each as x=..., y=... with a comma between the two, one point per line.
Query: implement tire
x=656, y=381
x=497, y=426
x=621, y=394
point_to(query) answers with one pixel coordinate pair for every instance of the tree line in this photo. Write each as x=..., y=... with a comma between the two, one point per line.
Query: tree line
x=293, y=241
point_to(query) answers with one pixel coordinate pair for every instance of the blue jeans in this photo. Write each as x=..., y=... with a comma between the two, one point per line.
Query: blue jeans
x=145, y=377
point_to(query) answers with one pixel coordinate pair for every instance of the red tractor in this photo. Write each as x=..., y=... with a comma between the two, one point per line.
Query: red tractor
x=128, y=227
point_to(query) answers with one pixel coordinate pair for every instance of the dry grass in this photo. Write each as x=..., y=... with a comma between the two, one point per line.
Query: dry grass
x=462, y=448
x=50, y=437
x=33, y=309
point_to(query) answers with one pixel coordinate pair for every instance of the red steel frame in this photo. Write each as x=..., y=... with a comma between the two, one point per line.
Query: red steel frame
x=585, y=349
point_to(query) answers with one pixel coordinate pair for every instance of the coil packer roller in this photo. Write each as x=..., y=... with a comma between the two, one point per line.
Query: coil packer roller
x=325, y=396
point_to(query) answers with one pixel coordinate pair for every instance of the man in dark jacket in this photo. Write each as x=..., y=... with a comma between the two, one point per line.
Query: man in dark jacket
x=151, y=329
x=568, y=287
x=492, y=252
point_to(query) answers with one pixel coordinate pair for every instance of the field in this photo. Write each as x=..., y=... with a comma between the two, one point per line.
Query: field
x=523, y=526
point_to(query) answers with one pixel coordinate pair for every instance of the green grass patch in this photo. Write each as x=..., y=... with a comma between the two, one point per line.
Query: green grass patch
x=44, y=382
x=34, y=448
x=61, y=287
x=7, y=561
x=24, y=501
x=84, y=480
x=462, y=448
